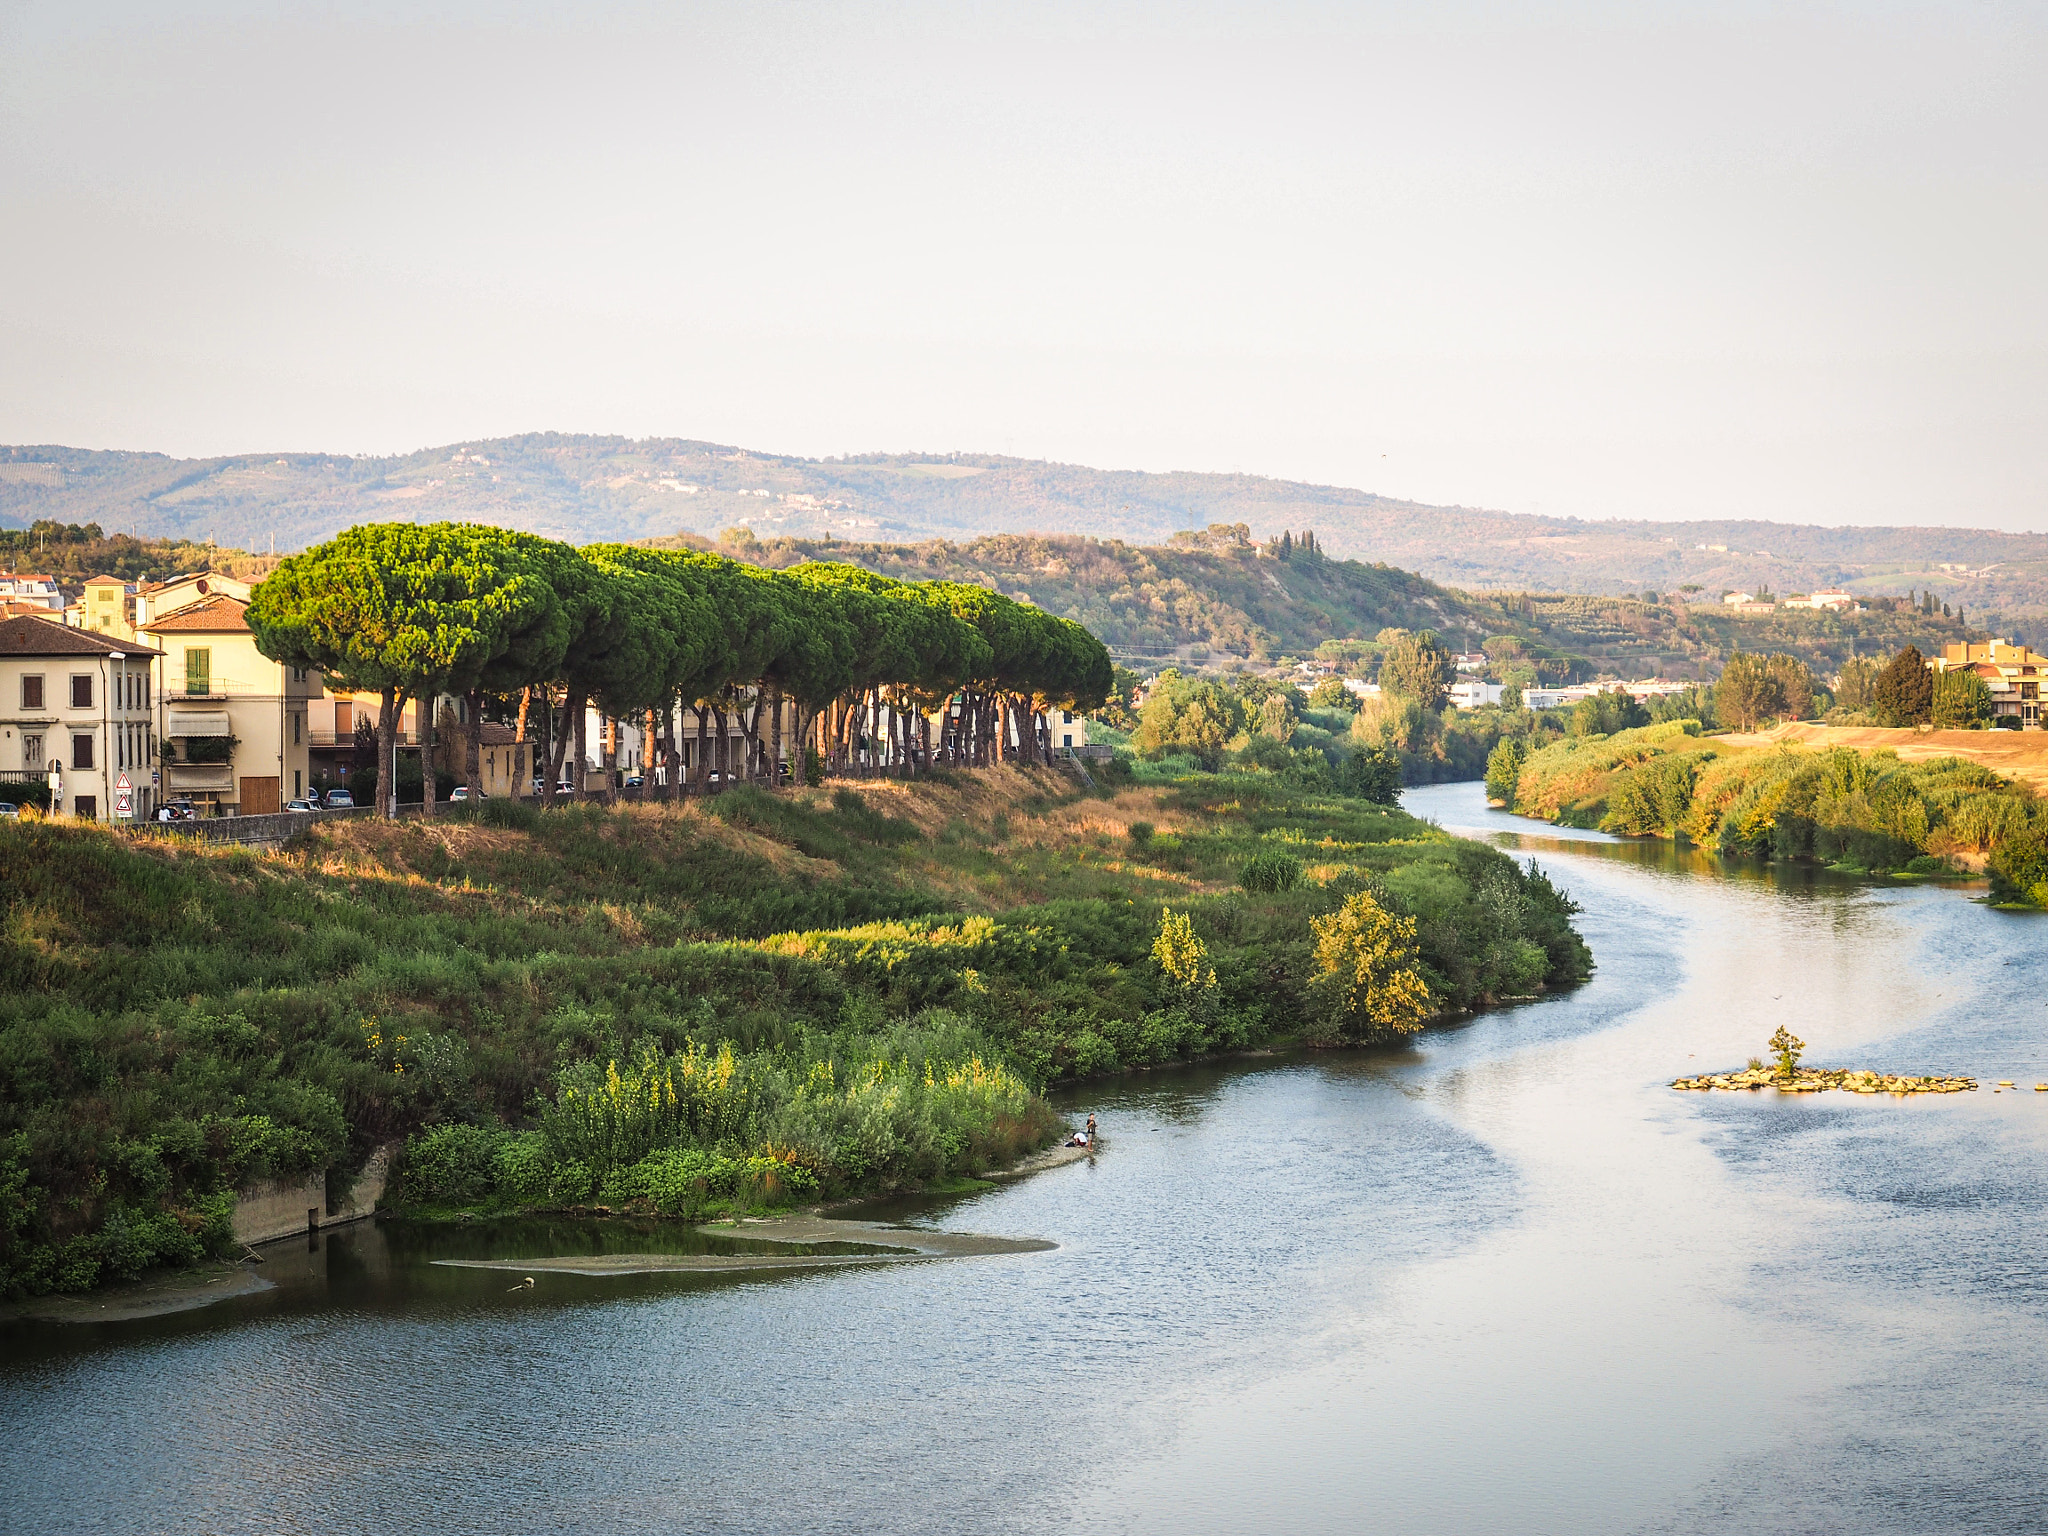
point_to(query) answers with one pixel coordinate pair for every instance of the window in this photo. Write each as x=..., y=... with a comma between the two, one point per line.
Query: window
x=81, y=752
x=81, y=690
x=295, y=730
x=86, y=808
x=298, y=784
x=198, y=670
x=32, y=693
x=1067, y=740
x=32, y=753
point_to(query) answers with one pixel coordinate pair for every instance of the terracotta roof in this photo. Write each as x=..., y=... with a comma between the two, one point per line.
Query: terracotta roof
x=494, y=734
x=105, y=581
x=215, y=615
x=28, y=636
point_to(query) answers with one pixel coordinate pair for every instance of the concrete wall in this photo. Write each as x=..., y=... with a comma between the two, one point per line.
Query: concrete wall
x=277, y=1207
x=274, y=1208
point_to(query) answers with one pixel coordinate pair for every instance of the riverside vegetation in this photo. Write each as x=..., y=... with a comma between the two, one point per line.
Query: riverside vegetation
x=676, y=1008
x=1862, y=811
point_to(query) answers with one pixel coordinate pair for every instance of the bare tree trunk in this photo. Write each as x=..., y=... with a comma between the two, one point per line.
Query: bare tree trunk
x=428, y=706
x=722, y=747
x=578, y=773
x=750, y=731
x=673, y=739
x=649, y=758
x=775, y=737
x=473, y=743
x=558, y=749
x=608, y=752
x=703, y=750
x=387, y=753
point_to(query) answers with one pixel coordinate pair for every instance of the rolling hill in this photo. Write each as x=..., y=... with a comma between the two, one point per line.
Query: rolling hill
x=586, y=488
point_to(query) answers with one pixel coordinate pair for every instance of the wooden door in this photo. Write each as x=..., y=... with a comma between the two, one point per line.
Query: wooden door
x=261, y=797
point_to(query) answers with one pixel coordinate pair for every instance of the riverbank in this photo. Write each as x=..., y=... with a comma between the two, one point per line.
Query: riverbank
x=161, y=1293
x=759, y=999
x=1860, y=810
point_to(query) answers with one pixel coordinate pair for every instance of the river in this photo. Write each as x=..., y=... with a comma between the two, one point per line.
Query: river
x=1503, y=1280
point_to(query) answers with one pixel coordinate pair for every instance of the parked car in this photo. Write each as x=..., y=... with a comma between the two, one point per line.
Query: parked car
x=634, y=781
x=300, y=805
x=464, y=792
x=9, y=808
x=177, y=810
x=340, y=800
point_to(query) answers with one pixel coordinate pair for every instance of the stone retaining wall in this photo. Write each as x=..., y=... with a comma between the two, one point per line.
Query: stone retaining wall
x=275, y=1208
x=277, y=828
x=280, y=1208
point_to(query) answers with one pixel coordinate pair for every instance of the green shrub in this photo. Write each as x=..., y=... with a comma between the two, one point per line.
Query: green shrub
x=452, y=1165
x=1270, y=870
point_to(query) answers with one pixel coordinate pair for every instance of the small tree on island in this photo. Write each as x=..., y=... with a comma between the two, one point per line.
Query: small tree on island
x=1786, y=1046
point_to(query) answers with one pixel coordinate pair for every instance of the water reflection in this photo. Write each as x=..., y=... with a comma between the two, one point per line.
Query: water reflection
x=1501, y=1280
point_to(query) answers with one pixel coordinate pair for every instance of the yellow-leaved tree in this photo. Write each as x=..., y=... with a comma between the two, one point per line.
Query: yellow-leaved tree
x=1365, y=975
x=1190, y=978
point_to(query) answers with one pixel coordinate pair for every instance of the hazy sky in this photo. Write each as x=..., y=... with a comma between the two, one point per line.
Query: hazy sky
x=1633, y=260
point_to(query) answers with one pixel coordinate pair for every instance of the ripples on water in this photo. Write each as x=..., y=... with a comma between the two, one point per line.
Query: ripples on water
x=1503, y=1281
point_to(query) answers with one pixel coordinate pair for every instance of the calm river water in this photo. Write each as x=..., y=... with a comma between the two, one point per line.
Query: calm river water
x=1505, y=1281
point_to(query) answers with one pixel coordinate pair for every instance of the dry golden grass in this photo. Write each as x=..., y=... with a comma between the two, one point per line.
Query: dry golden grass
x=2021, y=755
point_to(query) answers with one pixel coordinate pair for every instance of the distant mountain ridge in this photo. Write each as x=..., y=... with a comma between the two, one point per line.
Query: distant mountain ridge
x=586, y=488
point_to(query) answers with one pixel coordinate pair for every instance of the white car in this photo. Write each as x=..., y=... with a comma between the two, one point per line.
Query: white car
x=300, y=805
x=463, y=792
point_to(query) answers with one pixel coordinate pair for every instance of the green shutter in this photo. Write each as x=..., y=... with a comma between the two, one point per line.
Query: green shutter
x=198, y=671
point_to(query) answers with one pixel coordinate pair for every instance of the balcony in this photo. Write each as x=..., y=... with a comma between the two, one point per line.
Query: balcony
x=348, y=738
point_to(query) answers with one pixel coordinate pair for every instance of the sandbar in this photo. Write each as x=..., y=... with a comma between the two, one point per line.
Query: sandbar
x=909, y=1245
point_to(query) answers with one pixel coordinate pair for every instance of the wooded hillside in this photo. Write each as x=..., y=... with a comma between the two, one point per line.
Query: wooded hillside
x=583, y=489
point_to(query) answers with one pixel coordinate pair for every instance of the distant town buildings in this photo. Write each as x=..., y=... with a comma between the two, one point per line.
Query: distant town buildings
x=2013, y=673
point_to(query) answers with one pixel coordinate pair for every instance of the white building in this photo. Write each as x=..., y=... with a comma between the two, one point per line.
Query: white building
x=1833, y=600
x=1471, y=693
x=80, y=704
x=27, y=587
